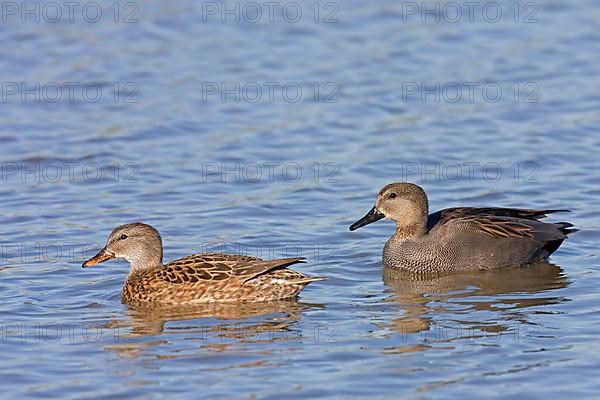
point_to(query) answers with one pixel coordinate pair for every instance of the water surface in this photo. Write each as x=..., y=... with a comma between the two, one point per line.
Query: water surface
x=286, y=176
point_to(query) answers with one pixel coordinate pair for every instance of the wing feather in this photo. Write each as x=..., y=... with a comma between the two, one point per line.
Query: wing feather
x=218, y=267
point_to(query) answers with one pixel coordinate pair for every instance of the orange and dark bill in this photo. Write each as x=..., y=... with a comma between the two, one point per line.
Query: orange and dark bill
x=372, y=216
x=102, y=256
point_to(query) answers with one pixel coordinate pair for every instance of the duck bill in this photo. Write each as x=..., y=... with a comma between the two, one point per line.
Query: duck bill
x=102, y=256
x=372, y=216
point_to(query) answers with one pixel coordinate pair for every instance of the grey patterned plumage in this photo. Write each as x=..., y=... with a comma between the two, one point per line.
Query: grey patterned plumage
x=199, y=278
x=463, y=238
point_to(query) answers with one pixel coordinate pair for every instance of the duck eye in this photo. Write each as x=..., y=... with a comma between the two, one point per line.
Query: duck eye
x=392, y=195
x=123, y=237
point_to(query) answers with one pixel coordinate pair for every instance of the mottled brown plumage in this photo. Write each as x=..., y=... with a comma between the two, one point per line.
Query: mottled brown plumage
x=198, y=278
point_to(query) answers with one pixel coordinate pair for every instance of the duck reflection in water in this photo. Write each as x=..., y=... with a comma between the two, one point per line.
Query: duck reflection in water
x=474, y=305
x=214, y=326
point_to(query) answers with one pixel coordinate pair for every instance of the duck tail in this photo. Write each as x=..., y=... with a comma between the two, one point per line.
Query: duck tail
x=564, y=227
x=554, y=211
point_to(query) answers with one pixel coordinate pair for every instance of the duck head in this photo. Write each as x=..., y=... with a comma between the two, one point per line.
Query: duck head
x=404, y=203
x=139, y=244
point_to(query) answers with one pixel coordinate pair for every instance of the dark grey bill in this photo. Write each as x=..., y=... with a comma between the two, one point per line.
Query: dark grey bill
x=372, y=216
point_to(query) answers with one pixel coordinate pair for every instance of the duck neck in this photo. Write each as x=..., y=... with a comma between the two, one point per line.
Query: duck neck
x=404, y=231
x=136, y=268
x=145, y=262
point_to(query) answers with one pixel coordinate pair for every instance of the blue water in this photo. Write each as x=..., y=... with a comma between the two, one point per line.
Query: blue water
x=269, y=137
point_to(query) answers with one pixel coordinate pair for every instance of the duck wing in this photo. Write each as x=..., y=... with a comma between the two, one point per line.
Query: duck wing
x=498, y=226
x=219, y=267
x=443, y=216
